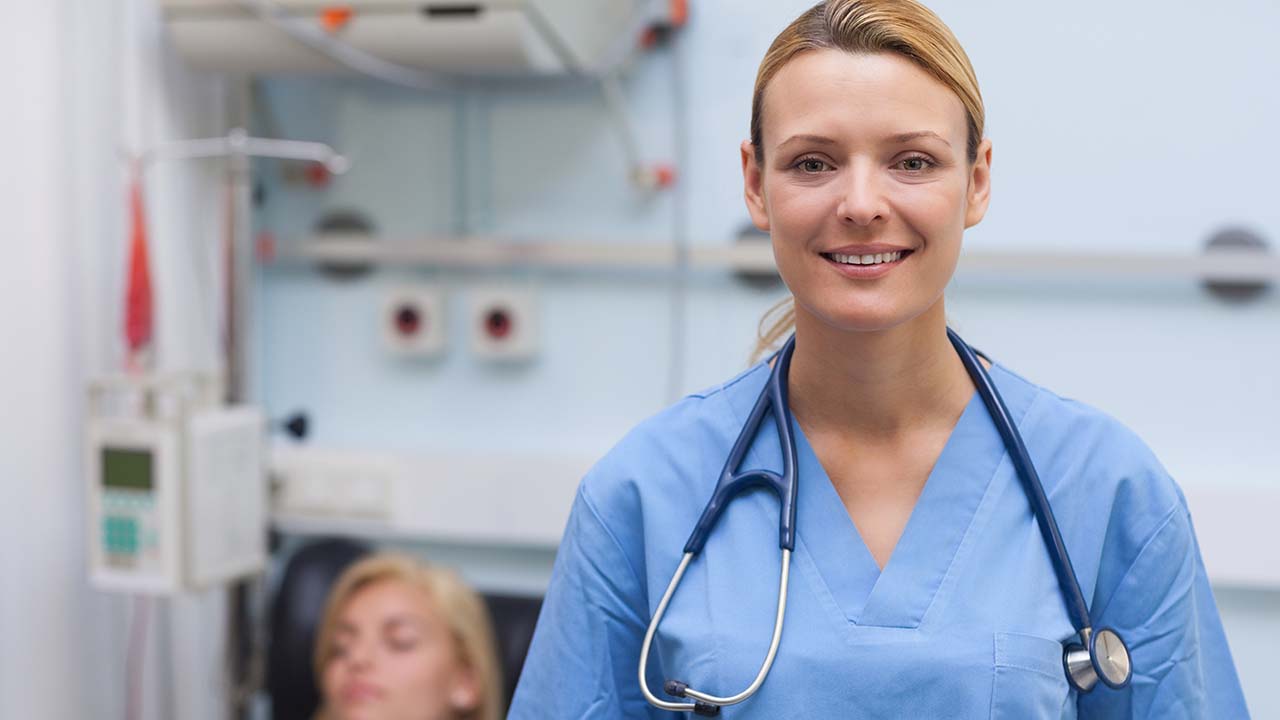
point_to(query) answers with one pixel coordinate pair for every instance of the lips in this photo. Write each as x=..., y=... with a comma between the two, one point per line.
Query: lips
x=867, y=249
x=878, y=266
x=358, y=692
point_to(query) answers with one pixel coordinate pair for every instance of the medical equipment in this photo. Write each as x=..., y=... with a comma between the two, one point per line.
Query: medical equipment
x=176, y=485
x=415, y=321
x=485, y=37
x=504, y=323
x=1100, y=654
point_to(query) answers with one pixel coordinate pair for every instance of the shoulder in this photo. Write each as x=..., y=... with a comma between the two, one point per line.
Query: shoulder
x=1067, y=428
x=1083, y=452
x=676, y=452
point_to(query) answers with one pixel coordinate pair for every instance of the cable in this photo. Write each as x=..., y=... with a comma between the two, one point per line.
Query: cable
x=137, y=653
x=616, y=103
x=340, y=52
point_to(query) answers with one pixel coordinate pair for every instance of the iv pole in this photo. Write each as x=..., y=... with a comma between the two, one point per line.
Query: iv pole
x=238, y=147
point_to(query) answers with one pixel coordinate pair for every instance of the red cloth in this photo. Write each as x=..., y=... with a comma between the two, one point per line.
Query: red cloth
x=138, y=308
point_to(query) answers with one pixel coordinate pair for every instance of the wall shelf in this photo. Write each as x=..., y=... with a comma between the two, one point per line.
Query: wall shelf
x=490, y=253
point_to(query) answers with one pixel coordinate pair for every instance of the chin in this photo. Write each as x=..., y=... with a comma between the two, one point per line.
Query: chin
x=861, y=317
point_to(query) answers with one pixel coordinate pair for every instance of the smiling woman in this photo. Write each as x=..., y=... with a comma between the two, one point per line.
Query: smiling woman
x=965, y=543
x=862, y=156
x=897, y=104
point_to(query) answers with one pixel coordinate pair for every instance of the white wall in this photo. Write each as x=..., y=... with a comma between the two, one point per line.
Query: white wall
x=43, y=597
x=80, y=79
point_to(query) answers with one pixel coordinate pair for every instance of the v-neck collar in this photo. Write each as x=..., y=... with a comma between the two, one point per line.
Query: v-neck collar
x=901, y=594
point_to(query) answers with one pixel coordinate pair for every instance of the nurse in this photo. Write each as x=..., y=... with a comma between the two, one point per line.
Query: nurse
x=920, y=585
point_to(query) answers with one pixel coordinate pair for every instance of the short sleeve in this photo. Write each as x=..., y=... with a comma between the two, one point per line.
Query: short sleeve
x=1164, y=609
x=586, y=648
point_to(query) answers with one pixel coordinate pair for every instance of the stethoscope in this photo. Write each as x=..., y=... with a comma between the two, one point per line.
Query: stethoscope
x=1099, y=655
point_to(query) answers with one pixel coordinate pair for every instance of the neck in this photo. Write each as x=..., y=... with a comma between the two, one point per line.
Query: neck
x=882, y=385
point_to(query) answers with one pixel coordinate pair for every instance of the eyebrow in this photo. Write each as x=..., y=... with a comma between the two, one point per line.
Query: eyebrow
x=908, y=136
x=393, y=623
x=396, y=622
x=814, y=139
x=899, y=138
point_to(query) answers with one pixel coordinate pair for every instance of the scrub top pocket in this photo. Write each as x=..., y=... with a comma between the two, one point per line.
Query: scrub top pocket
x=1029, y=679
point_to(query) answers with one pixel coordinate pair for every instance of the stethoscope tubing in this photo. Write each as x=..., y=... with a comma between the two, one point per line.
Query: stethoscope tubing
x=684, y=690
x=1026, y=471
x=774, y=399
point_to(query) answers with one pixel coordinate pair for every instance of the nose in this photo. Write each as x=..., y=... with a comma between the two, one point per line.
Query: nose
x=359, y=656
x=863, y=201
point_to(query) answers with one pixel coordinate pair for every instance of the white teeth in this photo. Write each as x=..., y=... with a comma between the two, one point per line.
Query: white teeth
x=867, y=259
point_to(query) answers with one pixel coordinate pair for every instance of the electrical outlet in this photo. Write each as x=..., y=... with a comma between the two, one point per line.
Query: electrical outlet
x=504, y=323
x=413, y=321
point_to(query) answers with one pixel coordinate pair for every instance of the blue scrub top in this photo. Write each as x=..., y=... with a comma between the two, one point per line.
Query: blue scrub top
x=966, y=620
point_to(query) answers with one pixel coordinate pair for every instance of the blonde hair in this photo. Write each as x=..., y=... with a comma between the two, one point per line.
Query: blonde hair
x=903, y=27
x=463, y=612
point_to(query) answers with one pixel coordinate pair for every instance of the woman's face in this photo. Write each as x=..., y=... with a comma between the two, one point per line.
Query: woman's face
x=864, y=155
x=394, y=658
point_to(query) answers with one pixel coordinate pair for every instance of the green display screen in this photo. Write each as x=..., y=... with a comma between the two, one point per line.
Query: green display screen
x=127, y=469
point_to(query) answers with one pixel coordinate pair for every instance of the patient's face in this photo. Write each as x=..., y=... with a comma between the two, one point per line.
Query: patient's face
x=394, y=658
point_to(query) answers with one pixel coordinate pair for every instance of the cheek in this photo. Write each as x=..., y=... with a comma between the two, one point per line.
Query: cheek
x=795, y=209
x=332, y=678
x=936, y=209
x=423, y=676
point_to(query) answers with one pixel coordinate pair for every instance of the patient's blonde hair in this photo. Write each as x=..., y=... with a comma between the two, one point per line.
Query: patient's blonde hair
x=903, y=27
x=463, y=612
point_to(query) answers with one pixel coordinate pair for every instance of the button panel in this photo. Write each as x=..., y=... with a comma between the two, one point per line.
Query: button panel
x=130, y=536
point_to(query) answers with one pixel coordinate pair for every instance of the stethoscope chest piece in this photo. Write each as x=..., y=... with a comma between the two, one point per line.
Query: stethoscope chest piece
x=1104, y=656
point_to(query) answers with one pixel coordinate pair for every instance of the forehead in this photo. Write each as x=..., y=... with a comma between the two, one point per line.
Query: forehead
x=839, y=94
x=386, y=598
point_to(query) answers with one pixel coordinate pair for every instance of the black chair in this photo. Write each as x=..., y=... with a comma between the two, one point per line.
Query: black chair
x=298, y=606
x=514, y=617
x=296, y=612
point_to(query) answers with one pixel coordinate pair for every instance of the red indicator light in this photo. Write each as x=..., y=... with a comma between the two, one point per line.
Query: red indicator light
x=408, y=320
x=498, y=324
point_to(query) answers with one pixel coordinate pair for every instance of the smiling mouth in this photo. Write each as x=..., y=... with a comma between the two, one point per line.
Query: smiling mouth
x=873, y=259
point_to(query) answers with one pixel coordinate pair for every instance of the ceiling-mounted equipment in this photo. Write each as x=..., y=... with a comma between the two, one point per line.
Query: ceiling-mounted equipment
x=484, y=38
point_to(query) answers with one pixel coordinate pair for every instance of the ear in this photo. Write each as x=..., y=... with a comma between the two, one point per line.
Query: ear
x=465, y=695
x=753, y=187
x=979, y=185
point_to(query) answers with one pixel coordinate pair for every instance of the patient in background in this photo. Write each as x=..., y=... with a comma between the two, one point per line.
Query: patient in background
x=404, y=641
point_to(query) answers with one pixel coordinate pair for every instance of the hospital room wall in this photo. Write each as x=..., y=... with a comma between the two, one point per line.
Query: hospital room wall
x=1097, y=149
x=42, y=586
x=80, y=80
